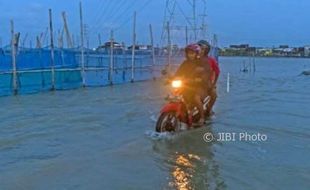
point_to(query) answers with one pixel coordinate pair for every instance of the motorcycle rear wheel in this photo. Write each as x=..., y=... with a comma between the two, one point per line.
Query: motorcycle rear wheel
x=167, y=122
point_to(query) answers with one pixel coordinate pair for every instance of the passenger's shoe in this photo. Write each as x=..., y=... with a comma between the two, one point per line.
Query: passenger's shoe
x=209, y=114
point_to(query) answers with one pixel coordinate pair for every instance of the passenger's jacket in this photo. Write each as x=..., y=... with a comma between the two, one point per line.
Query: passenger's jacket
x=215, y=70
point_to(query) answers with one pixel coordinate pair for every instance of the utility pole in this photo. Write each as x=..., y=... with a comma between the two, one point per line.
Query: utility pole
x=172, y=11
x=66, y=29
x=169, y=46
x=203, y=24
x=194, y=20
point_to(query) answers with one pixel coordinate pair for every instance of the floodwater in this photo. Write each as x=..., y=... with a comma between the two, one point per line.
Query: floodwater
x=103, y=138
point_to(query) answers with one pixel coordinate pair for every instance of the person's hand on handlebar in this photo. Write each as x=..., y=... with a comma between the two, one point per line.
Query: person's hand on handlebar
x=199, y=69
x=198, y=79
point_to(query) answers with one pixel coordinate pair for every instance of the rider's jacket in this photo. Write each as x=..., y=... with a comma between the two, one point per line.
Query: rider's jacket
x=198, y=68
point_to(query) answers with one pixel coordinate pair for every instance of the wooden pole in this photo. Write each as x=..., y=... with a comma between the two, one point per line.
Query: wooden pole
x=60, y=39
x=228, y=83
x=38, y=46
x=16, y=44
x=124, y=56
x=82, y=46
x=73, y=40
x=13, y=51
x=99, y=40
x=24, y=40
x=152, y=44
x=52, y=49
x=254, y=66
x=153, y=51
x=186, y=35
x=133, y=49
x=111, y=59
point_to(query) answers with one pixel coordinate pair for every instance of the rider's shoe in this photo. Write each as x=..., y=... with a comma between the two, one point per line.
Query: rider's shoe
x=199, y=123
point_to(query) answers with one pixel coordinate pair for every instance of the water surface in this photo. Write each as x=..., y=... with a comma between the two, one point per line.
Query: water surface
x=102, y=138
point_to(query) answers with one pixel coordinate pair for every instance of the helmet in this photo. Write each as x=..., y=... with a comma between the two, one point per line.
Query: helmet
x=204, y=43
x=193, y=47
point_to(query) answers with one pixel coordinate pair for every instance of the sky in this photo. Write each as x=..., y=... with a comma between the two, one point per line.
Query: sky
x=263, y=23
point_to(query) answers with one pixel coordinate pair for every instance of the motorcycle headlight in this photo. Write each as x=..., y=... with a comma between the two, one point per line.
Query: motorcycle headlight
x=176, y=83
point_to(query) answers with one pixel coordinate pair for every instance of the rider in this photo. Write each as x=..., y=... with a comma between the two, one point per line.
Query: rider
x=193, y=68
x=215, y=71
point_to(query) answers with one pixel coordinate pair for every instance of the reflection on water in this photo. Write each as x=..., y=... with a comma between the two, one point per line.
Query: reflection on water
x=183, y=172
x=190, y=160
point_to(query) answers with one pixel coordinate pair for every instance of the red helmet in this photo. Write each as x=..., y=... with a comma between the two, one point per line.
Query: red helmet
x=193, y=47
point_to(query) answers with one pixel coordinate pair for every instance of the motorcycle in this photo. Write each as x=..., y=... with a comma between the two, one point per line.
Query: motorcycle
x=177, y=114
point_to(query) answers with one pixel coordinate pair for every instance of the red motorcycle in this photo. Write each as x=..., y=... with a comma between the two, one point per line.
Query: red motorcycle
x=177, y=114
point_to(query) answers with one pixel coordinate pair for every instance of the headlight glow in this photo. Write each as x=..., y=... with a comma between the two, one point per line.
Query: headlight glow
x=176, y=83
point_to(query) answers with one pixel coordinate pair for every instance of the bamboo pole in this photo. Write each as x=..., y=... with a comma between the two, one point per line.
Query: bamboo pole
x=66, y=28
x=82, y=46
x=124, y=61
x=38, y=43
x=52, y=49
x=152, y=44
x=111, y=70
x=133, y=49
x=153, y=51
x=60, y=39
x=186, y=35
x=24, y=40
x=73, y=40
x=99, y=40
x=228, y=83
x=13, y=51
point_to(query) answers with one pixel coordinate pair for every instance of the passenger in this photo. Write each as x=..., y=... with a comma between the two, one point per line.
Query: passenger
x=215, y=72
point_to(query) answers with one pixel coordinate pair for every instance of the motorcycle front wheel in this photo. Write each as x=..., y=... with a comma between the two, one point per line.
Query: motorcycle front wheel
x=167, y=122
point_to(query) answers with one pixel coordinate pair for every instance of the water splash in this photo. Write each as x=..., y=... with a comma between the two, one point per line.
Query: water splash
x=153, y=118
x=159, y=136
